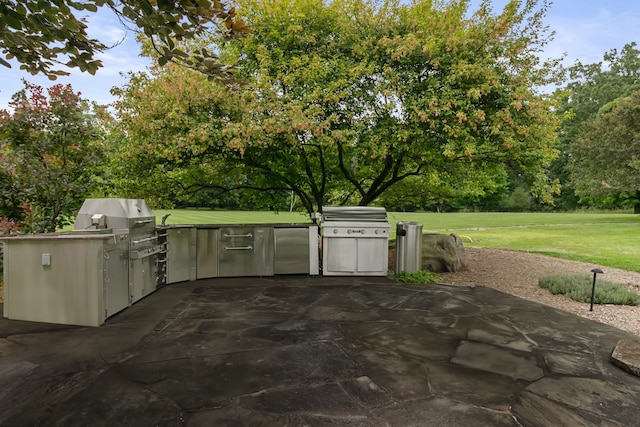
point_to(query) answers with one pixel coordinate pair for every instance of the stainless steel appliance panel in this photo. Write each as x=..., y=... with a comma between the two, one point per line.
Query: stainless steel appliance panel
x=246, y=251
x=292, y=251
x=207, y=252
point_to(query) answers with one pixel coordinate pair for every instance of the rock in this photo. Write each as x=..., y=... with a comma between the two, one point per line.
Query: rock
x=626, y=355
x=443, y=253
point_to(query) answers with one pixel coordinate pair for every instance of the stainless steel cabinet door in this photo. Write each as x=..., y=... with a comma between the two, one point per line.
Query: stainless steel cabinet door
x=178, y=254
x=207, y=253
x=339, y=256
x=292, y=250
x=373, y=256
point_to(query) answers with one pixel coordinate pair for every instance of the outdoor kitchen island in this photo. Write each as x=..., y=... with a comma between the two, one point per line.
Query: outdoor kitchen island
x=117, y=254
x=111, y=260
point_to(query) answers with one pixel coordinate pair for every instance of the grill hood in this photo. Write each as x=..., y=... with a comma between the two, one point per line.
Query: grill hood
x=353, y=214
x=116, y=214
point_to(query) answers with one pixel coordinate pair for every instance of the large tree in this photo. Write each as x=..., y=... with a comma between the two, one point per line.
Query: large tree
x=49, y=153
x=345, y=100
x=591, y=88
x=42, y=35
x=606, y=154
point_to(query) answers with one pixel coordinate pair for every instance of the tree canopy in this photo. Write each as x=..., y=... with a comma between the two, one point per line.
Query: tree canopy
x=49, y=152
x=43, y=35
x=343, y=101
x=591, y=90
x=606, y=154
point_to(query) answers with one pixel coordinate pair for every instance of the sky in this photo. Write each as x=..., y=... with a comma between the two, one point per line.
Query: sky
x=585, y=30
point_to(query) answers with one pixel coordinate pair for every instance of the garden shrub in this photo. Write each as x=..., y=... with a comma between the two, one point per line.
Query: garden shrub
x=578, y=288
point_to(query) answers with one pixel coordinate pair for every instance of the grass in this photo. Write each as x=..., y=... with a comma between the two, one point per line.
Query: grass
x=579, y=287
x=606, y=239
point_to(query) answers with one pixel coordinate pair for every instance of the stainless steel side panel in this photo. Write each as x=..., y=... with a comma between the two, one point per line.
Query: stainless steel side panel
x=207, y=252
x=292, y=251
x=246, y=251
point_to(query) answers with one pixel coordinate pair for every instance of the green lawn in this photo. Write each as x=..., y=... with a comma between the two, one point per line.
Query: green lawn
x=606, y=239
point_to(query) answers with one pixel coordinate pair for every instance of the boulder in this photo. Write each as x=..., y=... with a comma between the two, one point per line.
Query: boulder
x=443, y=253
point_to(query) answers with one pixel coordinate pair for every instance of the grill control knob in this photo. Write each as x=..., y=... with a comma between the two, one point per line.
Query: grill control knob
x=364, y=231
x=377, y=231
x=335, y=231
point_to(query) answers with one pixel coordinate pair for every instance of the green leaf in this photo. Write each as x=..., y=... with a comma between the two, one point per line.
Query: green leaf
x=20, y=9
x=13, y=22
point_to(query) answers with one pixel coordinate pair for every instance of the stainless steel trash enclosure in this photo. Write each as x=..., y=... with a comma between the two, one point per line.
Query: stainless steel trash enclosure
x=408, y=247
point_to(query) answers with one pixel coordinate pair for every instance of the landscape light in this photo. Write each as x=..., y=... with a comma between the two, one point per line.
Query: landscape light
x=595, y=272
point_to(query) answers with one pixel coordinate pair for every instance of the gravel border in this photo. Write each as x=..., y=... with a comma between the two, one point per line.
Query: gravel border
x=517, y=273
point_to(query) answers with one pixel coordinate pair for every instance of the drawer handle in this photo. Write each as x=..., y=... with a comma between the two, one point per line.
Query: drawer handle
x=249, y=235
x=238, y=248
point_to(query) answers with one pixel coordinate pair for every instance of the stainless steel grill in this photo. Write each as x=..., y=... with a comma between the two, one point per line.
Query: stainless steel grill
x=136, y=222
x=355, y=241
